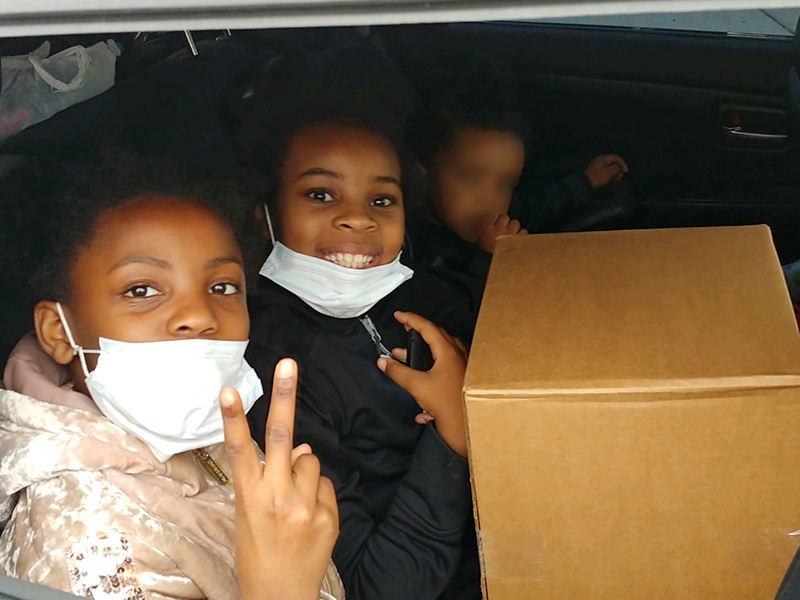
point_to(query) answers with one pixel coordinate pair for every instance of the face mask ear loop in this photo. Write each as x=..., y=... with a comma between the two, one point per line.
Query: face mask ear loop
x=76, y=349
x=269, y=226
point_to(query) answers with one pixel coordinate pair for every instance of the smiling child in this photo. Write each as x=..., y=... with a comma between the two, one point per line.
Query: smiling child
x=336, y=297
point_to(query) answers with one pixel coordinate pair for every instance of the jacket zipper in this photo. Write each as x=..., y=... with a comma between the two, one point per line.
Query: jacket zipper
x=211, y=467
x=375, y=336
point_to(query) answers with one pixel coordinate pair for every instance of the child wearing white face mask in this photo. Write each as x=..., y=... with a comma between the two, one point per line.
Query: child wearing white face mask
x=335, y=296
x=114, y=481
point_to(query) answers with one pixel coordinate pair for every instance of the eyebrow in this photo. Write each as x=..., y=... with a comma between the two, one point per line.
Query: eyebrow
x=388, y=179
x=320, y=171
x=138, y=259
x=317, y=171
x=163, y=264
x=223, y=260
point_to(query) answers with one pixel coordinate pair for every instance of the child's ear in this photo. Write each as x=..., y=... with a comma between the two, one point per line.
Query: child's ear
x=51, y=333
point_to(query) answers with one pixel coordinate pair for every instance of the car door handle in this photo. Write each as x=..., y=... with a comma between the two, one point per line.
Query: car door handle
x=737, y=132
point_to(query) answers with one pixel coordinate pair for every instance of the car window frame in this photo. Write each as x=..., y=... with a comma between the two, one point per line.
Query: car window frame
x=71, y=17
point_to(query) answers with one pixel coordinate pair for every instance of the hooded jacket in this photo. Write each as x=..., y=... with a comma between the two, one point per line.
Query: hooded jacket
x=403, y=493
x=88, y=509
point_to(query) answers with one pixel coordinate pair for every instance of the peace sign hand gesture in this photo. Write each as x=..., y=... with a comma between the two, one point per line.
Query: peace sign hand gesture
x=287, y=520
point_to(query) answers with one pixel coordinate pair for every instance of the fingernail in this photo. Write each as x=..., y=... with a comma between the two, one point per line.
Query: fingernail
x=382, y=362
x=226, y=398
x=285, y=369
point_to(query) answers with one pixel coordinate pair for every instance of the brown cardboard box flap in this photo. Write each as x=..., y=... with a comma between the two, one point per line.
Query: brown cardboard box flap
x=667, y=310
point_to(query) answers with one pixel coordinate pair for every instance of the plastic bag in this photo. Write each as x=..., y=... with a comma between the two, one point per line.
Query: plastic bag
x=37, y=86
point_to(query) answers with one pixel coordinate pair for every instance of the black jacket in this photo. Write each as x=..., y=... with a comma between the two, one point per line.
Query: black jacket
x=465, y=266
x=404, y=497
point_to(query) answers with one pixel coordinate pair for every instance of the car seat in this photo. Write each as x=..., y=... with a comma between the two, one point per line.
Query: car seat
x=16, y=316
x=169, y=109
x=794, y=82
x=613, y=212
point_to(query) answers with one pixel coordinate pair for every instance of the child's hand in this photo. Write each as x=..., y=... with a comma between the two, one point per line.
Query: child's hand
x=503, y=225
x=287, y=520
x=605, y=169
x=437, y=391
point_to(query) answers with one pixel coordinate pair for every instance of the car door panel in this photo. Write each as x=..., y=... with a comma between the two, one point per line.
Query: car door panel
x=660, y=99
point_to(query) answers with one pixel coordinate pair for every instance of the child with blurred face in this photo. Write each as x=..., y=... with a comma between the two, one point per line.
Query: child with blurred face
x=472, y=181
x=470, y=143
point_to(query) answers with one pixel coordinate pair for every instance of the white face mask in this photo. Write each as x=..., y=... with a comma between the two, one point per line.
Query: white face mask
x=167, y=393
x=332, y=289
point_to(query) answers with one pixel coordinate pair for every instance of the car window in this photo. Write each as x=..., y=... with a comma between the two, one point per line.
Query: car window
x=754, y=22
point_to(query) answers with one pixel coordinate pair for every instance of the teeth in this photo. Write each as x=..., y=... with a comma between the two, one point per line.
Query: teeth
x=350, y=261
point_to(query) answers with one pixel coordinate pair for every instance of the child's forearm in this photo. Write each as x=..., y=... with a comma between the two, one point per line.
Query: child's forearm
x=452, y=430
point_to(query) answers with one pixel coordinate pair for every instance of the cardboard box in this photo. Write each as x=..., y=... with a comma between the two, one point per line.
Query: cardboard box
x=633, y=408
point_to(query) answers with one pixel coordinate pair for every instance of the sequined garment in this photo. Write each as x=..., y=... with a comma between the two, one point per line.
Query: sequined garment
x=87, y=508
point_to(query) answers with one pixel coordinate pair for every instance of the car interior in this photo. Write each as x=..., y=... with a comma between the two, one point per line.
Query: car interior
x=709, y=123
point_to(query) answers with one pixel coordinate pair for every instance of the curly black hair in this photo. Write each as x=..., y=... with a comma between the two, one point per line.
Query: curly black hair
x=351, y=85
x=49, y=210
x=484, y=98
